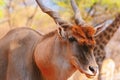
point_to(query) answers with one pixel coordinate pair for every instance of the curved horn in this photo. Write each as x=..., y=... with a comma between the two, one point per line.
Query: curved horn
x=53, y=14
x=77, y=15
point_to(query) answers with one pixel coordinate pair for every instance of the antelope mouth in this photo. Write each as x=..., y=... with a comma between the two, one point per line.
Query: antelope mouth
x=89, y=73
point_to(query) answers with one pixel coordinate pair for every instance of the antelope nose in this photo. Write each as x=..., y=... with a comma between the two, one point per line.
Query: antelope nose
x=93, y=69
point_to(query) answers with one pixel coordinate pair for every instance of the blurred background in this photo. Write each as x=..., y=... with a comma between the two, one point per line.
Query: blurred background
x=26, y=13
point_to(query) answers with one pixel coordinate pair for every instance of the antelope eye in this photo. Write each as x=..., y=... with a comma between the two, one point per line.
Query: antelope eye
x=71, y=39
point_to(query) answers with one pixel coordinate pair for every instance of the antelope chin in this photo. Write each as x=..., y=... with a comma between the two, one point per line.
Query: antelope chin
x=89, y=76
x=88, y=73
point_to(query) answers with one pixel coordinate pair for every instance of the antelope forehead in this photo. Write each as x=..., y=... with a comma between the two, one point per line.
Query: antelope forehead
x=83, y=31
x=77, y=31
x=90, y=31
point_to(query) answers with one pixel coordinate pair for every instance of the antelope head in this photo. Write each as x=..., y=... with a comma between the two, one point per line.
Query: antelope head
x=80, y=37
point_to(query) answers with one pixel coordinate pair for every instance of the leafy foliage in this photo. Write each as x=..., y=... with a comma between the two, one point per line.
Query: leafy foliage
x=15, y=10
x=2, y=3
x=95, y=10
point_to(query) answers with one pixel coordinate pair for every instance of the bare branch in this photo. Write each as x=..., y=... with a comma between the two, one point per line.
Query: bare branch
x=4, y=20
x=30, y=18
x=90, y=10
x=24, y=3
x=8, y=7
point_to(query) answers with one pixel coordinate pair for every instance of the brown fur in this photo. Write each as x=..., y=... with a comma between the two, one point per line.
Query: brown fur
x=31, y=56
x=56, y=49
x=85, y=35
x=16, y=55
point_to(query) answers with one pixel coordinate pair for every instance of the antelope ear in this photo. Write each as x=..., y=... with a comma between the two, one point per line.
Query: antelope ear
x=62, y=32
x=99, y=29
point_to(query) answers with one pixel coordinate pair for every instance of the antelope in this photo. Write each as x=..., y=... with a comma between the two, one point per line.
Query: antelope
x=67, y=49
x=53, y=56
